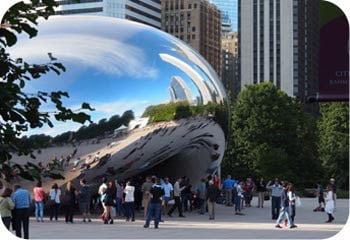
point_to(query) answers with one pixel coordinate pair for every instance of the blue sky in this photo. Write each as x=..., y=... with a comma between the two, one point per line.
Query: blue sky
x=111, y=65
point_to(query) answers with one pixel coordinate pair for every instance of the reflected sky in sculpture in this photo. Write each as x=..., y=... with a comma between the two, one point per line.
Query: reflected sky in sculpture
x=115, y=65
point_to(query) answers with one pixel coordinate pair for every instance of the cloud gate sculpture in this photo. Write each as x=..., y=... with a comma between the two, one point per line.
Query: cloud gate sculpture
x=116, y=65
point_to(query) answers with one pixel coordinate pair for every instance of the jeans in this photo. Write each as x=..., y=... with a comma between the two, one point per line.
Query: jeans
x=202, y=206
x=39, y=210
x=275, y=206
x=237, y=203
x=7, y=222
x=129, y=210
x=54, y=211
x=119, y=207
x=185, y=198
x=228, y=197
x=285, y=212
x=22, y=219
x=153, y=210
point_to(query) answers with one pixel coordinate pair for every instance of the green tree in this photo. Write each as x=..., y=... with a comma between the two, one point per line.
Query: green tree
x=333, y=146
x=269, y=136
x=19, y=110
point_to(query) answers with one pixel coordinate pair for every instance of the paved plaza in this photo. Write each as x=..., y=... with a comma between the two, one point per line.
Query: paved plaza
x=256, y=224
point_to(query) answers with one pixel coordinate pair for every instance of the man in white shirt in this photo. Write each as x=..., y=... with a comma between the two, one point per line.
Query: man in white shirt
x=168, y=190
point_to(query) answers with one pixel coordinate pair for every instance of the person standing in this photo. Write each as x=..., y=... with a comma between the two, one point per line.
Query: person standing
x=129, y=202
x=177, y=194
x=39, y=197
x=238, y=196
x=157, y=193
x=227, y=186
x=54, y=194
x=119, y=198
x=186, y=193
x=68, y=202
x=284, y=209
x=320, y=196
x=249, y=187
x=292, y=199
x=334, y=190
x=111, y=195
x=202, y=196
x=84, y=200
x=21, y=199
x=146, y=197
x=6, y=206
x=275, y=197
x=168, y=192
x=329, y=208
x=101, y=193
x=261, y=189
x=213, y=193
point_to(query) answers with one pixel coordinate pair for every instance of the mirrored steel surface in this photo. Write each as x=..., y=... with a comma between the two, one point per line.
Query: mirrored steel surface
x=118, y=65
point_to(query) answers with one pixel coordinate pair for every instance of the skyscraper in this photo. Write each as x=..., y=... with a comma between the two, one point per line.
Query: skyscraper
x=198, y=23
x=278, y=42
x=230, y=78
x=147, y=11
x=229, y=14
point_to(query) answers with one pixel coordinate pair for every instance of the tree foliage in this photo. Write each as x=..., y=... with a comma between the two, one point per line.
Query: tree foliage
x=333, y=146
x=20, y=110
x=271, y=136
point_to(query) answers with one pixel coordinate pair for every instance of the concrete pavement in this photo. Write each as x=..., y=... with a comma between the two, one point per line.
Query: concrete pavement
x=255, y=224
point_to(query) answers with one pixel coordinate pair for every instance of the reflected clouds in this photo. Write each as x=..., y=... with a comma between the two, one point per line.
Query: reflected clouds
x=108, y=55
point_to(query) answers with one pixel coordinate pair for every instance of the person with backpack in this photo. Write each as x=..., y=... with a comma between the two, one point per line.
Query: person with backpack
x=237, y=192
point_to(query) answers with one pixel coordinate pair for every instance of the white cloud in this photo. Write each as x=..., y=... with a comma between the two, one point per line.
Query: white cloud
x=109, y=55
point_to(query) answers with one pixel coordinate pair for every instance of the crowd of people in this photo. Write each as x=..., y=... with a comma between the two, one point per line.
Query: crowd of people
x=157, y=197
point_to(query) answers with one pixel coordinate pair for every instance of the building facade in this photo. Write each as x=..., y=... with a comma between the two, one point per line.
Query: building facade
x=198, y=23
x=229, y=14
x=143, y=11
x=230, y=78
x=278, y=42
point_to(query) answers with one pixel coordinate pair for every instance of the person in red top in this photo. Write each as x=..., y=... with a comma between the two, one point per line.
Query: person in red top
x=39, y=197
x=216, y=180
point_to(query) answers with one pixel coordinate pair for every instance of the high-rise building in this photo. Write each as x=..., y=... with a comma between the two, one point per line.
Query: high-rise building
x=229, y=14
x=278, y=42
x=198, y=23
x=145, y=11
x=230, y=63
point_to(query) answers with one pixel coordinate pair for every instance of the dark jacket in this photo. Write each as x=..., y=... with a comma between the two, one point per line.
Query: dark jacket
x=213, y=193
x=284, y=198
x=111, y=195
x=157, y=192
x=68, y=198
